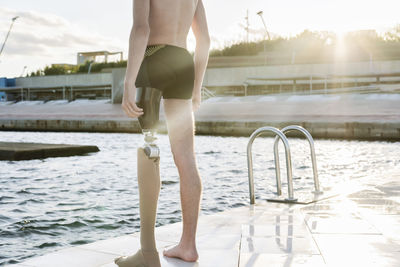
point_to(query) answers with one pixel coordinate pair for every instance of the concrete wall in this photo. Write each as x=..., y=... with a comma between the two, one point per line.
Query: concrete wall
x=66, y=80
x=347, y=130
x=118, y=78
x=236, y=76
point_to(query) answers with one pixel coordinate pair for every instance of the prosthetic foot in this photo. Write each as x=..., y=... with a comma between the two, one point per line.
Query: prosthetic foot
x=148, y=160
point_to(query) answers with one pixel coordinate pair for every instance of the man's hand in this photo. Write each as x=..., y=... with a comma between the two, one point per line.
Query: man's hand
x=129, y=102
x=196, y=101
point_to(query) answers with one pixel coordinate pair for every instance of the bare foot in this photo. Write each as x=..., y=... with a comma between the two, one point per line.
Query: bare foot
x=183, y=253
x=141, y=258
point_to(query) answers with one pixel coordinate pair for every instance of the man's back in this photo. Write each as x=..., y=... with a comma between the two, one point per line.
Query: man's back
x=170, y=21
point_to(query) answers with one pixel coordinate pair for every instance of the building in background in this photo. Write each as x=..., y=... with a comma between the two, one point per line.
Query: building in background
x=94, y=56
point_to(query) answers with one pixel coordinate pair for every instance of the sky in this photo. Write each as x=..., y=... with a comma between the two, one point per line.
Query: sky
x=51, y=31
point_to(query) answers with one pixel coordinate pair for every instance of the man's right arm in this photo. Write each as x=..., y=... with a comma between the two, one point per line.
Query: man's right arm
x=137, y=46
x=200, y=30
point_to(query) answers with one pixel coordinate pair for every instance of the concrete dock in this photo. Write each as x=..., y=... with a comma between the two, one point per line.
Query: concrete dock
x=339, y=116
x=27, y=151
x=360, y=227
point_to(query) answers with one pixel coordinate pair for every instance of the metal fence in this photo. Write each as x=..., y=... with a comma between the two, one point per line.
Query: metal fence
x=67, y=92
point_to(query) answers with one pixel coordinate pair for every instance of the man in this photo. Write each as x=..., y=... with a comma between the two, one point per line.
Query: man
x=158, y=58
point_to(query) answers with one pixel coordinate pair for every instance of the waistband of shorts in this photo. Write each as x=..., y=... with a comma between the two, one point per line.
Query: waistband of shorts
x=151, y=49
x=155, y=47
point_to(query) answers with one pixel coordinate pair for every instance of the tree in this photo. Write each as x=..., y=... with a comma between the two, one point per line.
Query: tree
x=55, y=70
x=393, y=35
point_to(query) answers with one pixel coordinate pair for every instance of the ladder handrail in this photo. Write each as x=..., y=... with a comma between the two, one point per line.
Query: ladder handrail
x=205, y=93
x=281, y=135
x=312, y=149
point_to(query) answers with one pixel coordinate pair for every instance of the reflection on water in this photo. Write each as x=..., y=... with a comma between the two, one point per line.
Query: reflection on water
x=58, y=202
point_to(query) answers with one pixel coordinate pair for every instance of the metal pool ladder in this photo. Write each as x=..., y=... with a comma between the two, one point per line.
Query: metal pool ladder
x=280, y=135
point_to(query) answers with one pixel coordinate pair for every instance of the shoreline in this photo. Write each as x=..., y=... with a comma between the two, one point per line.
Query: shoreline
x=365, y=131
x=343, y=116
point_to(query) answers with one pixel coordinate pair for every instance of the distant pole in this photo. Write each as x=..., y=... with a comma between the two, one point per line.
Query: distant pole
x=293, y=56
x=23, y=71
x=245, y=85
x=8, y=34
x=260, y=13
x=371, y=63
x=247, y=26
x=90, y=66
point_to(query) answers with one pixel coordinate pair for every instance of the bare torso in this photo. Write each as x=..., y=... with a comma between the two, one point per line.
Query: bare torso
x=170, y=21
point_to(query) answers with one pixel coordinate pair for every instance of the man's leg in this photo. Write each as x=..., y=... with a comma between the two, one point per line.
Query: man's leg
x=180, y=123
x=149, y=189
x=148, y=173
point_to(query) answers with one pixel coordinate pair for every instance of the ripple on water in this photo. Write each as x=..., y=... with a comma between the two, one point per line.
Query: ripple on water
x=18, y=177
x=236, y=171
x=18, y=210
x=47, y=244
x=5, y=197
x=211, y=152
x=74, y=224
x=107, y=226
x=31, y=200
x=164, y=182
x=27, y=169
x=40, y=179
x=303, y=167
x=70, y=203
x=46, y=226
x=93, y=221
x=23, y=191
x=80, y=242
x=237, y=205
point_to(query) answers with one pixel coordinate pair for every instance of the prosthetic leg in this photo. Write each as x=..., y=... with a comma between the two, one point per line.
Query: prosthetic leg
x=148, y=159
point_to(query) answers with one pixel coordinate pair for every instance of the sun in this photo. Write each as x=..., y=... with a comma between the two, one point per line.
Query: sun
x=340, y=47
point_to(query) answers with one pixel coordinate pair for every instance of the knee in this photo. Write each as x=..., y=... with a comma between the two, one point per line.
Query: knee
x=183, y=157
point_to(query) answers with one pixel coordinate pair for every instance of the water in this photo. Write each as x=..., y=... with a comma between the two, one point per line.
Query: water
x=60, y=202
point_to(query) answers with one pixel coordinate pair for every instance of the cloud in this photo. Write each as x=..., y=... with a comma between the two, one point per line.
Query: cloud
x=49, y=36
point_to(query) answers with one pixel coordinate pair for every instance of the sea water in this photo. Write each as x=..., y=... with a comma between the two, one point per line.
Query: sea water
x=53, y=203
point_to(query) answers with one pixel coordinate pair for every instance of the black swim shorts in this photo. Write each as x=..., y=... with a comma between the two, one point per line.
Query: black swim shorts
x=167, y=68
